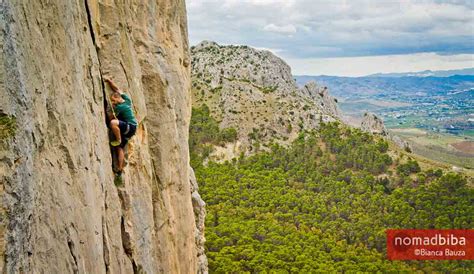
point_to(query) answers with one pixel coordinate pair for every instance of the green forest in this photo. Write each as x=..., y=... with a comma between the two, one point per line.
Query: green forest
x=321, y=204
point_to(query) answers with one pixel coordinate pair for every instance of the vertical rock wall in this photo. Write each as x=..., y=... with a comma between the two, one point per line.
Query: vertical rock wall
x=62, y=212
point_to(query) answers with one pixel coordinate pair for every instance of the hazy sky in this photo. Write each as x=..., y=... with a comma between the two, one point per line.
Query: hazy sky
x=351, y=38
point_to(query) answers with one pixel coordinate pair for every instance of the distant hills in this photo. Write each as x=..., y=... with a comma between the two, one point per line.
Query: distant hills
x=413, y=103
x=391, y=86
x=426, y=73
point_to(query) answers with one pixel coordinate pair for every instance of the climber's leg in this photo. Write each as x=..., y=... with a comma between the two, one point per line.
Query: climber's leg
x=120, y=159
x=114, y=125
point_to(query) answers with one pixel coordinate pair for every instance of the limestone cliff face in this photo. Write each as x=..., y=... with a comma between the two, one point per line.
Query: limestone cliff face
x=254, y=91
x=62, y=212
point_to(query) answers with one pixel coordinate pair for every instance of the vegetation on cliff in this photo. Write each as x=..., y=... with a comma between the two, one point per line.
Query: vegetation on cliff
x=324, y=204
x=205, y=133
x=251, y=90
x=7, y=126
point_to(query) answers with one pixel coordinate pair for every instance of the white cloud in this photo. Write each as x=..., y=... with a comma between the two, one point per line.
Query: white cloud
x=365, y=65
x=286, y=29
x=309, y=29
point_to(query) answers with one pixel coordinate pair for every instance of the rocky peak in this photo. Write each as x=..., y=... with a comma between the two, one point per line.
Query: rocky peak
x=254, y=92
x=205, y=44
x=373, y=124
x=216, y=63
x=320, y=94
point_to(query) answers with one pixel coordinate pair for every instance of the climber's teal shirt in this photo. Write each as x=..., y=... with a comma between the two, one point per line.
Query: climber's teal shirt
x=124, y=111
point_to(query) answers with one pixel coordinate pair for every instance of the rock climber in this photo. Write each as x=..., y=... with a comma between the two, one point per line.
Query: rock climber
x=122, y=123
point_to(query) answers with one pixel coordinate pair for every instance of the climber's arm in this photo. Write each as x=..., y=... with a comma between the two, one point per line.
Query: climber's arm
x=110, y=114
x=113, y=86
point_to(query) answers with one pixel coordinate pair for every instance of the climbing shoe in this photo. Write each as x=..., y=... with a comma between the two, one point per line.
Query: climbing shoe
x=115, y=143
x=118, y=181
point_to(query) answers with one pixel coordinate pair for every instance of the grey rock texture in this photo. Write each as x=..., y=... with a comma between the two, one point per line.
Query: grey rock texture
x=199, y=207
x=401, y=143
x=373, y=124
x=61, y=211
x=254, y=91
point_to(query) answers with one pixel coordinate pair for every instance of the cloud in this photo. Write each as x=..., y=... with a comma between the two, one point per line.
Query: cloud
x=286, y=29
x=305, y=29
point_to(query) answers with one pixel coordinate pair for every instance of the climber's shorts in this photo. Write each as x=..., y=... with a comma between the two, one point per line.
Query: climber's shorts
x=127, y=130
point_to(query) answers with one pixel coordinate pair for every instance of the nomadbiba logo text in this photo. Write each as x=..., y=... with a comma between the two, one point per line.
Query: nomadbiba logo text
x=430, y=244
x=438, y=239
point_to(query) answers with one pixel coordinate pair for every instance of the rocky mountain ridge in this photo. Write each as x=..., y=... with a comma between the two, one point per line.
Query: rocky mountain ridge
x=254, y=92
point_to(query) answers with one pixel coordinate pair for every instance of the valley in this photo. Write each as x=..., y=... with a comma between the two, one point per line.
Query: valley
x=434, y=114
x=290, y=187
